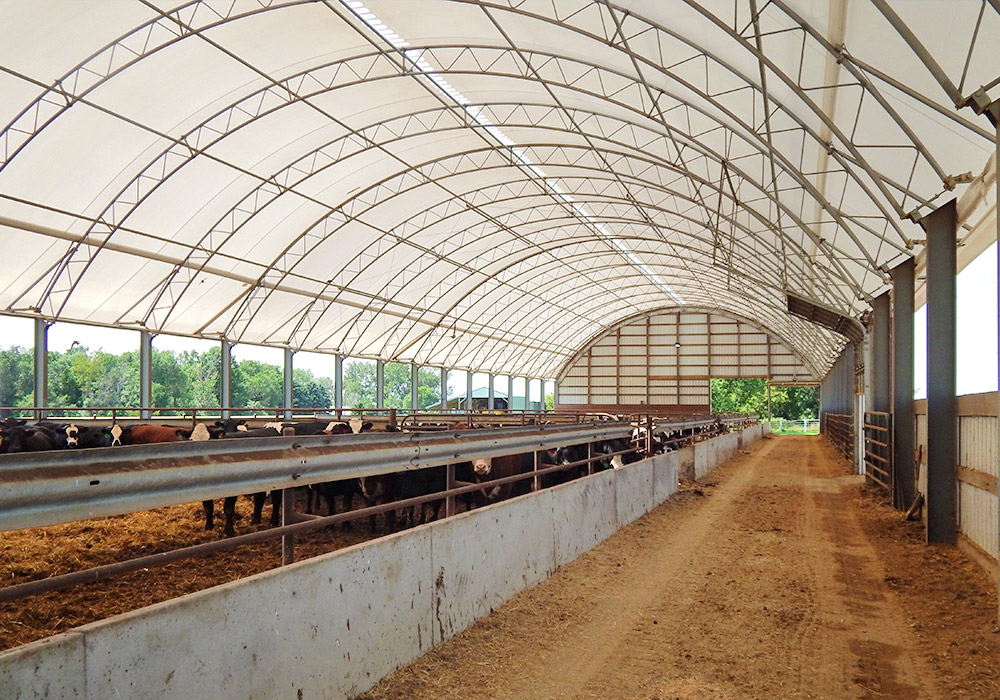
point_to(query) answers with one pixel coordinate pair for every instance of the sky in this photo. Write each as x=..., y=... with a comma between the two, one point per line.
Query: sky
x=977, y=339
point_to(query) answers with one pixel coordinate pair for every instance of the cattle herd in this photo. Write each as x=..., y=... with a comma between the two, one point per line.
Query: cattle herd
x=573, y=461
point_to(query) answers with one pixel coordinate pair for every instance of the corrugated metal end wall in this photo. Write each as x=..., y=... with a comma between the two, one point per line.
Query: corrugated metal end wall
x=667, y=358
x=837, y=388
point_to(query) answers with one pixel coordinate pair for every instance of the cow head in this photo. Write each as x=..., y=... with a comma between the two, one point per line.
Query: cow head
x=73, y=433
x=335, y=428
x=202, y=432
x=115, y=433
x=359, y=425
x=482, y=466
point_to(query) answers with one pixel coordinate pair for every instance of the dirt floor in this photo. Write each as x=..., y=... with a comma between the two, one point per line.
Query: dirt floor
x=781, y=576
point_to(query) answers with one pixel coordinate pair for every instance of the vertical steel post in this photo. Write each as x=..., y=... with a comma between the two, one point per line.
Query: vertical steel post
x=379, y=384
x=468, y=391
x=555, y=394
x=490, y=395
x=145, y=374
x=41, y=397
x=880, y=352
x=226, y=379
x=414, y=397
x=942, y=440
x=449, y=484
x=444, y=389
x=536, y=481
x=769, y=401
x=338, y=381
x=288, y=384
x=903, y=418
x=995, y=116
x=287, y=511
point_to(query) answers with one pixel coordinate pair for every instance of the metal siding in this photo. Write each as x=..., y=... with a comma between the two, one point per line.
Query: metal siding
x=711, y=345
x=978, y=516
x=977, y=443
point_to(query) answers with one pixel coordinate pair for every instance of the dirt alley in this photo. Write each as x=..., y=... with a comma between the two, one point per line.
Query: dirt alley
x=778, y=576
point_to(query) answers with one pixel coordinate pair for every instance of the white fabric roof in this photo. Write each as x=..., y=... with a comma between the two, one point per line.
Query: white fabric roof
x=476, y=184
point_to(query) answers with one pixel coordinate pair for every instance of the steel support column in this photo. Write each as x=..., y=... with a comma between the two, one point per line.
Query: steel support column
x=226, y=379
x=41, y=397
x=379, y=384
x=904, y=474
x=288, y=384
x=555, y=394
x=414, y=377
x=879, y=363
x=994, y=112
x=942, y=441
x=490, y=395
x=444, y=389
x=338, y=381
x=145, y=374
x=468, y=391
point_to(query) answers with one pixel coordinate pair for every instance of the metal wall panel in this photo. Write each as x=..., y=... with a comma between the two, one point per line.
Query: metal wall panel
x=978, y=516
x=977, y=449
x=666, y=358
x=977, y=443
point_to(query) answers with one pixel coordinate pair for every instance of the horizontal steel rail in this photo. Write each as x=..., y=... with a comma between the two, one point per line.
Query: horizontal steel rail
x=48, y=488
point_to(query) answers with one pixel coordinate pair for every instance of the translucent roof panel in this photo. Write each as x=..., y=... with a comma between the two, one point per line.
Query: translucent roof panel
x=479, y=184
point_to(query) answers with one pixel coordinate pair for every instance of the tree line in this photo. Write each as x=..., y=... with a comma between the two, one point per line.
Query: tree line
x=80, y=378
x=749, y=395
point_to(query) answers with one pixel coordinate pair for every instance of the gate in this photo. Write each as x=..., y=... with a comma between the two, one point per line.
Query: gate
x=878, y=450
x=839, y=429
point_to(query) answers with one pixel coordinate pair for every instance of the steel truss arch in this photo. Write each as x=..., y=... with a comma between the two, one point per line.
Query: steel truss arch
x=587, y=158
x=202, y=137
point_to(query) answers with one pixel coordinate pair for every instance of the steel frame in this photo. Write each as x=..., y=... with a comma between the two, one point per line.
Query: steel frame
x=859, y=269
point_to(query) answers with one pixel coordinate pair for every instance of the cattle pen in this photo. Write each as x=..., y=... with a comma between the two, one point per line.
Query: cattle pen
x=500, y=330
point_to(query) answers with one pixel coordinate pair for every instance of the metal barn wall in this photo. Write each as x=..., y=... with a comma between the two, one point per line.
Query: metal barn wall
x=837, y=388
x=977, y=473
x=667, y=359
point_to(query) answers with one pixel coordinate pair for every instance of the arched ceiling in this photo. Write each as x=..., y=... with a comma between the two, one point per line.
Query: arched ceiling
x=476, y=184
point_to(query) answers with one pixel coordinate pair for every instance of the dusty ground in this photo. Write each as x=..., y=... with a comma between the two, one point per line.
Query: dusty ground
x=780, y=577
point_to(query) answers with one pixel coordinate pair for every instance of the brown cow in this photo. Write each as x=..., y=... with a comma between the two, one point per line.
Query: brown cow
x=143, y=434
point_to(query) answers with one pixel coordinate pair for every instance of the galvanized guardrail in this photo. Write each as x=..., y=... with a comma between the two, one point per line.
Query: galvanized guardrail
x=48, y=488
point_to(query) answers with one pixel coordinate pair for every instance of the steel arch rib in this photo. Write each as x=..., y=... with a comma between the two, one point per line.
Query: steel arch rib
x=191, y=152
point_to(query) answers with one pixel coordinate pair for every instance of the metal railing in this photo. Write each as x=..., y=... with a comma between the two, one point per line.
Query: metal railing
x=839, y=429
x=878, y=448
x=51, y=487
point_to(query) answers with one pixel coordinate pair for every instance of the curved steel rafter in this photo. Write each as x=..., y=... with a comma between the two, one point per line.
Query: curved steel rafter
x=642, y=139
x=269, y=99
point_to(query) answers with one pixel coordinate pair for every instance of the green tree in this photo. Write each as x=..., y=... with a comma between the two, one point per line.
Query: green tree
x=17, y=371
x=749, y=395
x=257, y=385
x=359, y=384
x=309, y=391
x=360, y=387
x=204, y=375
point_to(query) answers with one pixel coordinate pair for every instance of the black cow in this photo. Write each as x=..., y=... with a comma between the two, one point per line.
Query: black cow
x=87, y=436
x=26, y=438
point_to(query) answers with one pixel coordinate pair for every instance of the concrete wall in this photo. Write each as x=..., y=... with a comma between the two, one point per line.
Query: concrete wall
x=332, y=626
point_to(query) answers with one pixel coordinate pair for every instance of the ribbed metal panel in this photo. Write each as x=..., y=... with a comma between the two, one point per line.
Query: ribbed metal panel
x=977, y=443
x=667, y=357
x=978, y=521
